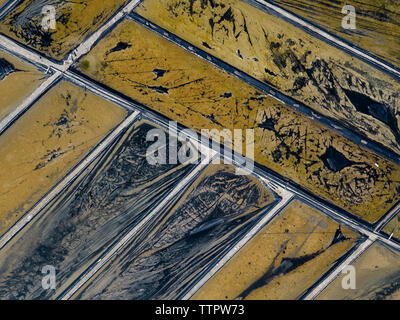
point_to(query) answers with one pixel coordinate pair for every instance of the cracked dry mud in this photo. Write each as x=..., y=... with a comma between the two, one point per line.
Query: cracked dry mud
x=77, y=227
x=181, y=86
x=284, y=259
x=46, y=142
x=377, y=277
x=18, y=79
x=169, y=253
x=75, y=21
x=288, y=59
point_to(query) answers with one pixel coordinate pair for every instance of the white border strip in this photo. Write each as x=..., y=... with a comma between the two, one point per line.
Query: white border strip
x=66, y=180
x=98, y=90
x=286, y=198
x=15, y=113
x=388, y=217
x=14, y=47
x=328, y=36
x=102, y=261
x=7, y=7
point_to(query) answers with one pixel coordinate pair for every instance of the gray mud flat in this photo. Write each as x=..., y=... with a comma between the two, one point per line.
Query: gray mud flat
x=166, y=257
x=111, y=195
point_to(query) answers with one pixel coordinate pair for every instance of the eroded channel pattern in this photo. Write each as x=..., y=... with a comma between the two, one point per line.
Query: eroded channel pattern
x=164, y=258
x=284, y=259
x=110, y=196
x=288, y=59
x=181, y=86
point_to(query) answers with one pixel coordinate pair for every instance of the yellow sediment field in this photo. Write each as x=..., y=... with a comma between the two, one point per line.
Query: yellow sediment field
x=377, y=22
x=46, y=142
x=290, y=60
x=75, y=21
x=377, y=273
x=18, y=79
x=393, y=227
x=284, y=259
x=183, y=87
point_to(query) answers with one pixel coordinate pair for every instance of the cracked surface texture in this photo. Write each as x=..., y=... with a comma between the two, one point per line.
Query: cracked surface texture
x=46, y=142
x=181, y=86
x=285, y=57
x=377, y=277
x=168, y=254
x=75, y=21
x=77, y=227
x=284, y=259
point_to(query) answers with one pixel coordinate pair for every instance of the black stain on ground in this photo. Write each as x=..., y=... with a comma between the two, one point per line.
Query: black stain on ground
x=119, y=47
x=268, y=124
x=159, y=73
x=379, y=111
x=205, y=44
x=338, y=237
x=226, y=95
x=334, y=160
x=159, y=89
x=6, y=68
